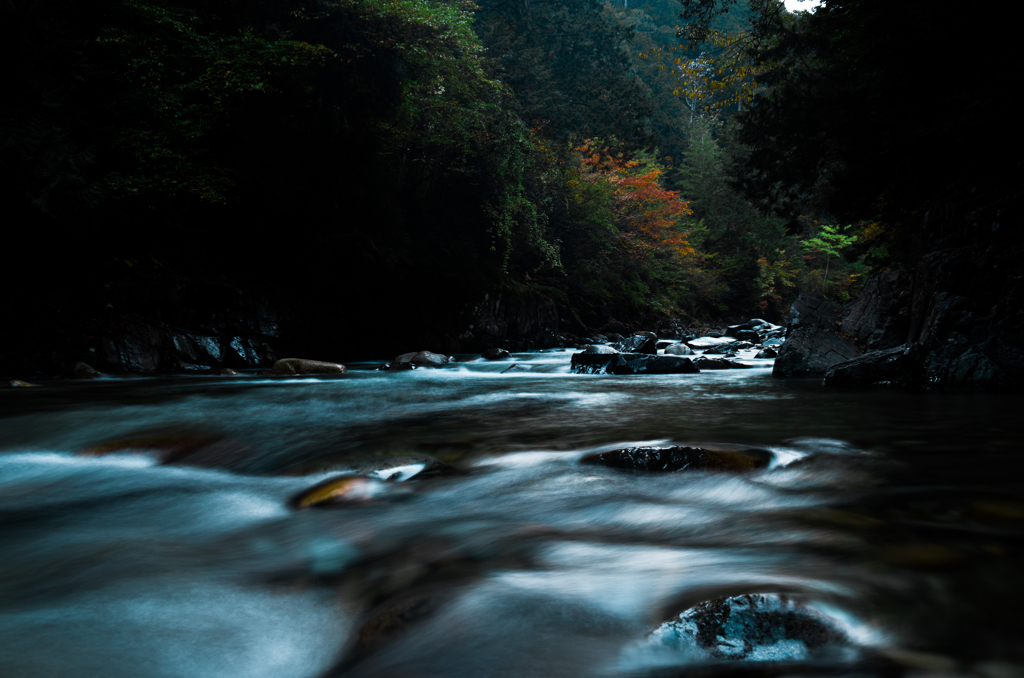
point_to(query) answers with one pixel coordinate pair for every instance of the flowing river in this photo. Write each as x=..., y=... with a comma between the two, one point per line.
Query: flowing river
x=885, y=535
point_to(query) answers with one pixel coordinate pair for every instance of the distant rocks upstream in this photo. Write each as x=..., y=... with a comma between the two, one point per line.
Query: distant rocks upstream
x=642, y=353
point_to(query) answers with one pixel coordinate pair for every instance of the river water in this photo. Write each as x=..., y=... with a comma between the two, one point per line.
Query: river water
x=894, y=519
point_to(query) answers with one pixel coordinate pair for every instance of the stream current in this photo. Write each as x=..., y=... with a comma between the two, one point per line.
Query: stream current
x=897, y=518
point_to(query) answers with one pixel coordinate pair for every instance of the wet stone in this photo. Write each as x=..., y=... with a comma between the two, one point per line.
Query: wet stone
x=755, y=627
x=639, y=343
x=419, y=359
x=495, y=354
x=18, y=383
x=339, y=490
x=678, y=349
x=680, y=458
x=712, y=363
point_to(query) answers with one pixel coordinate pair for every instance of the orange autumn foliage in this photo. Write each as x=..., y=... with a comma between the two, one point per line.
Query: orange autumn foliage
x=646, y=215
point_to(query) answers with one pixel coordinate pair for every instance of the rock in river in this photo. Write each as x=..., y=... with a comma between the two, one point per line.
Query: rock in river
x=338, y=490
x=755, y=627
x=679, y=458
x=704, y=363
x=407, y=361
x=495, y=354
x=304, y=366
x=678, y=349
x=639, y=343
x=631, y=363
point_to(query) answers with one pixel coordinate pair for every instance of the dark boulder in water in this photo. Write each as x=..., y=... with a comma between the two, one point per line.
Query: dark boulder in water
x=767, y=352
x=755, y=627
x=679, y=458
x=495, y=354
x=186, y=449
x=712, y=363
x=419, y=359
x=748, y=335
x=638, y=344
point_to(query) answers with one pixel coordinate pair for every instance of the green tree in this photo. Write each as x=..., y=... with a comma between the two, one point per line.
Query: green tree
x=830, y=240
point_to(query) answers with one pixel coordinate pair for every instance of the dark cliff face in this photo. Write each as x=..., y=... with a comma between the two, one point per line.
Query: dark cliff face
x=953, y=318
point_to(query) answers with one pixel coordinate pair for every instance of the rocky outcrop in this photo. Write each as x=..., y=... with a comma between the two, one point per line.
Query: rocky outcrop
x=154, y=347
x=879, y=319
x=813, y=341
x=955, y=323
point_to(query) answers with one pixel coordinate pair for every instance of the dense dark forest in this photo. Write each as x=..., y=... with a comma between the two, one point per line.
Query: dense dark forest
x=350, y=178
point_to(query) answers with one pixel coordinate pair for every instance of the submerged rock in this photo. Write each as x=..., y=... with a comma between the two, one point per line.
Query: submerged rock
x=767, y=352
x=304, y=366
x=755, y=627
x=187, y=449
x=679, y=458
x=495, y=354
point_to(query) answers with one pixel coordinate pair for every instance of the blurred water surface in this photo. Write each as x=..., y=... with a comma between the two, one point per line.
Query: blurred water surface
x=897, y=516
